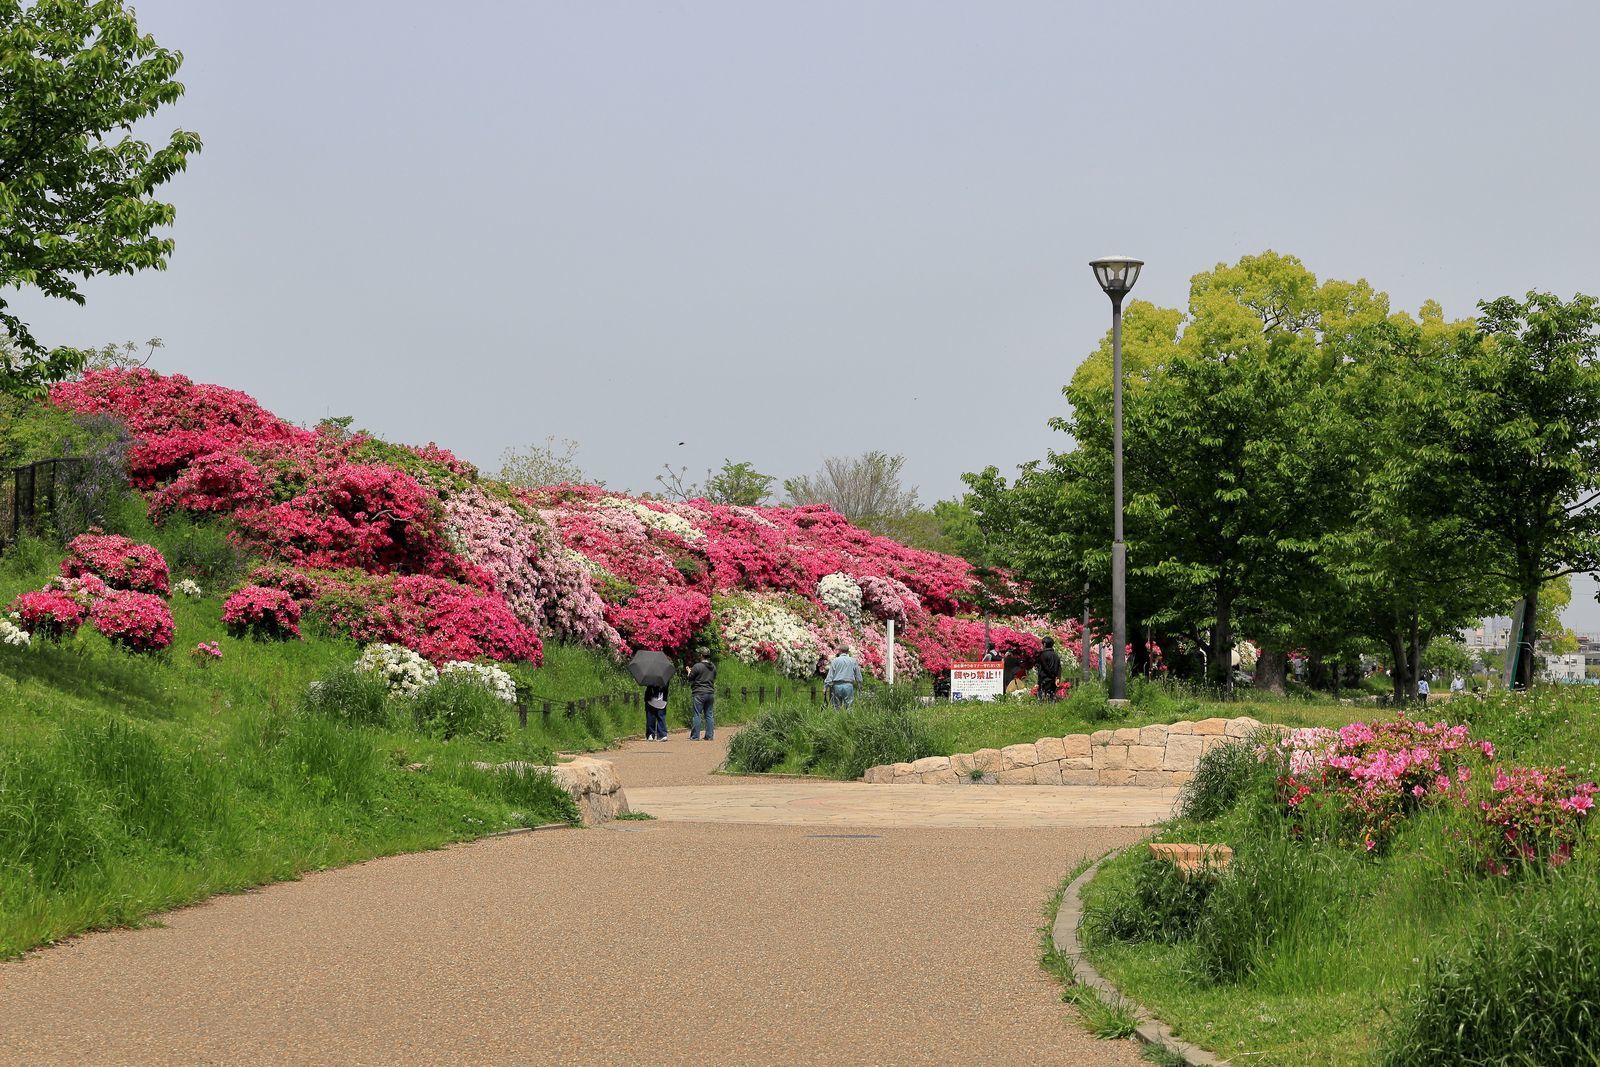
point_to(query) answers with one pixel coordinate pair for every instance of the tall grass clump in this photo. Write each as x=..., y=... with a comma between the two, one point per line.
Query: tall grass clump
x=460, y=707
x=1089, y=702
x=886, y=725
x=1521, y=990
x=170, y=796
x=1221, y=778
x=1157, y=904
x=356, y=698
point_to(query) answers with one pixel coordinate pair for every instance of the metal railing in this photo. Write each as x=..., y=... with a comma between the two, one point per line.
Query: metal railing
x=32, y=497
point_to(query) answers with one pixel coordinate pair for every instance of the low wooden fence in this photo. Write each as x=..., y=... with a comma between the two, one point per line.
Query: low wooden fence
x=31, y=496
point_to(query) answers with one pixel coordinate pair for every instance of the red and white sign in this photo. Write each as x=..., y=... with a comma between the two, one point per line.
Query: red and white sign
x=977, y=681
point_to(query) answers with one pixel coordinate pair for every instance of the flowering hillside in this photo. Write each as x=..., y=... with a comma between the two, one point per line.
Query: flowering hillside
x=410, y=546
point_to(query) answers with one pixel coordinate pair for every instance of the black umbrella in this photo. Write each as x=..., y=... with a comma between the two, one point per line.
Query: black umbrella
x=650, y=668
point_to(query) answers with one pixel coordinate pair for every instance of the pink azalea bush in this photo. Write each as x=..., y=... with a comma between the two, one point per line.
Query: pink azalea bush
x=53, y=613
x=118, y=561
x=140, y=622
x=259, y=611
x=411, y=546
x=1529, y=815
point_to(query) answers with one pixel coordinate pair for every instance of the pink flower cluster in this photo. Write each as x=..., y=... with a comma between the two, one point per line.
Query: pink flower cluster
x=259, y=611
x=51, y=612
x=206, y=652
x=117, y=561
x=1531, y=815
x=140, y=622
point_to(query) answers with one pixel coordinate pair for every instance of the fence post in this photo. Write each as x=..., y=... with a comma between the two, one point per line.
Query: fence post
x=761, y=695
x=744, y=694
x=544, y=712
x=813, y=693
x=572, y=709
x=777, y=692
x=522, y=715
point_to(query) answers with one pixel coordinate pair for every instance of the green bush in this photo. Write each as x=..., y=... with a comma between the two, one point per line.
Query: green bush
x=1522, y=990
x=882, y=734
x=459, y=707
x=203, y=551
x=356, y=698
x=764, y=743
x=1220, y=778
x=886, y=725
x=1087, y=701
x=1155, y=905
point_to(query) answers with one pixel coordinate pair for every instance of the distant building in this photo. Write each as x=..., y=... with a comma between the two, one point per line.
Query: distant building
x=1567, y=668
x=1492, y=635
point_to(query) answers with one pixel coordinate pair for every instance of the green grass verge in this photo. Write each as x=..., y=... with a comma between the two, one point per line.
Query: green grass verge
x=1338, y=958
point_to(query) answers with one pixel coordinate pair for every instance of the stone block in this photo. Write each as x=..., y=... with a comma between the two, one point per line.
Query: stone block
x=1211, y=726
x=1047, y=773
x=1100, y=737
x=1014, y=756
x=592, y=783
x=1243, y=726
x=907, y=779
x=1182, y=726
x=1145, y=757
x=1016, y=776
x=1214, y=741
x=1180, y=778
x=1050, y=749
x=1074, y=745
x=1079, y=777
x=1116, y=777
x=987, y=759
x=900, y=769
x=1127, y=735
x=962, y=763
x=1183, y=752
x=1078, y=763
x=879, y=775
x=1152, y=779
x=1110, y=757
x=1153, y=735
x=946, y=776
x=931, y=763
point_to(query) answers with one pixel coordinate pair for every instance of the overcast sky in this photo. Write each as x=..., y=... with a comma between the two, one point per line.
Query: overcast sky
x=781, y=231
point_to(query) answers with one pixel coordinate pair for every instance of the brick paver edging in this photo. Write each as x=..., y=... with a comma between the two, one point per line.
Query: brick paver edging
x=1158, y=756
x=1151, y=1031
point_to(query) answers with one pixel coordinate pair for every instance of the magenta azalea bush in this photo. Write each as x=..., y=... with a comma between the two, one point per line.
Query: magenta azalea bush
x=140, y=622
x=53, y=613
x=259, y=611
x=410, y=546
x=118, y=561
x=1530, y=815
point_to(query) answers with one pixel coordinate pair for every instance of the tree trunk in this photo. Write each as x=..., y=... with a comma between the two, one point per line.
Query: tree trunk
x=1397, y=655
x=1221, y=664
x=1416, y=659
x=1272, y=671
x=1338, y=677
x=1317, y=672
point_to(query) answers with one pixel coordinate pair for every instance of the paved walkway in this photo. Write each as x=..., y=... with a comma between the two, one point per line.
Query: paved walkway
x=640, y=943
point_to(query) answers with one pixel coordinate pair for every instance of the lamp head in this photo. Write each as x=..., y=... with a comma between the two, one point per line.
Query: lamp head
x=1116, y=274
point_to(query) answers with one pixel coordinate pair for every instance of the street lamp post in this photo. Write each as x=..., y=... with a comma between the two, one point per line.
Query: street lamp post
x=1116, y=275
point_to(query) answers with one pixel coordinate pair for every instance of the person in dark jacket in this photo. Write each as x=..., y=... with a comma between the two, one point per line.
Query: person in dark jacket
x=655, y=712
x=1049, y=670
x=703, y=694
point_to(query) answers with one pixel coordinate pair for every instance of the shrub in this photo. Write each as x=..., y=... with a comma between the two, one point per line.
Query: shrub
x=1521, y=990
x=1087, y=701
x=203, y=551
x=1528, y=815
x=402, y=671
x=262, y=613
x=54, y=613
x=12, y=634
x=357, y=698
x=460, y=707
x=140, y=622
x=1155, y=905
x=118, y=561
x=493, y=679
x=879, y=734
x=1220, y=778
x=764, y=743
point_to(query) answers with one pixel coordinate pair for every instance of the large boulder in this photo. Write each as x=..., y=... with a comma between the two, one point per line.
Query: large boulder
x=592, y=783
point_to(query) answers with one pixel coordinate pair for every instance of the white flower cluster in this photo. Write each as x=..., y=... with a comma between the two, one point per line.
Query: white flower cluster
x=656, y=520
x=493, y=679
x=752, y=515
x=841, y=593
x=402, y=670
x=189, y=588
x=12, y=634
x=749, y=625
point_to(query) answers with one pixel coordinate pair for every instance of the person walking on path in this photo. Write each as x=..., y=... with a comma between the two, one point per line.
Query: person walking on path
x=655, y=712
x=1422, y=689
x=844, y=674
x=1457, y=686
x=703, y=695
x=1049, y=671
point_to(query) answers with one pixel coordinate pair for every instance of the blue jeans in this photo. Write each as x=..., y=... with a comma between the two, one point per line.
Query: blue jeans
x=655, y=722
x=702, y=709
x=843, y=694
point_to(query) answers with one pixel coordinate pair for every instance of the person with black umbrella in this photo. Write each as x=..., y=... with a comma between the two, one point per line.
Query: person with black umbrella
x=653, y=670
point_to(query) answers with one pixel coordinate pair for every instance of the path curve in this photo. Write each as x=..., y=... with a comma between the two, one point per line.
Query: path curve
x=638, y=943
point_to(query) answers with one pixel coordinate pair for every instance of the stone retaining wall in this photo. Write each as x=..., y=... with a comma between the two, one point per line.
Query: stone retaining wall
x=1157, y=756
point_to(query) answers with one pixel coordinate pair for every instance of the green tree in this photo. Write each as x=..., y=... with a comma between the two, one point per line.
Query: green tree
x=738, y=483
x=553, y=463
x=77, y=190
x=1523, y=447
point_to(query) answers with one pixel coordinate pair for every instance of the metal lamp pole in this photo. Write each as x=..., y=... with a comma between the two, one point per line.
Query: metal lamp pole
x=1116, y=275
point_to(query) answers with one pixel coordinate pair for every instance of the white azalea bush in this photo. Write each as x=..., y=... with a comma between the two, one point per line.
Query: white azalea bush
x=841, y=593
x=189, y=588
x=402, y=670
x=12, y=634
x=491, y=678
x=665, y=521
x=756, y=629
